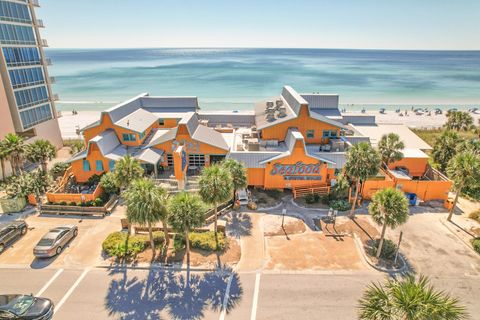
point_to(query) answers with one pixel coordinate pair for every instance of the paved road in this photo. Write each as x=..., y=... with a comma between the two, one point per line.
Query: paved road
x=164, y=294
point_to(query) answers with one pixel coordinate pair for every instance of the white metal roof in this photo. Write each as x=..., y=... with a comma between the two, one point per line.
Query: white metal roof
x=414, y=153
x=321, y=101
x=106, y=141
x=375, y=133
x=138, y=121
x=149, y=155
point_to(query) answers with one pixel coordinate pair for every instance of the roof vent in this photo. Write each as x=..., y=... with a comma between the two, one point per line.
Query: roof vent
x=270, y=117
x=279, y=103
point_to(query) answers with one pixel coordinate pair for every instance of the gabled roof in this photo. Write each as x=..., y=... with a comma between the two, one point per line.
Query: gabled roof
x=253, y=159
x=161, y=136
x=138, y=121
x=149, y=155
x=79, y=155
x=106, y=141
x=376, y=131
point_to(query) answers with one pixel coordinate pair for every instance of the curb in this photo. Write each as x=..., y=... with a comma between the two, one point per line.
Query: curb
x=469, y=245
x=371, y=264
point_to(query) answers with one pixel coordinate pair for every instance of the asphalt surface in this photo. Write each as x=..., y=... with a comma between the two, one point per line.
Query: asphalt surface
x=101, y=293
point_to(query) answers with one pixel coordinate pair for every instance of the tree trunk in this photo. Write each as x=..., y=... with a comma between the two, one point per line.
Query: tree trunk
x=2, y=162
x=165, y=232
x=152, y=243
x=215, y=227
x=382, y=236
x=357, y=189
x=187, y=244
x=44, y=166
x=452, y=209
x=234, y=195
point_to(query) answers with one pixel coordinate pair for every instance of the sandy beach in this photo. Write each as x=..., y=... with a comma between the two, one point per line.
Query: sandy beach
x=69, y=124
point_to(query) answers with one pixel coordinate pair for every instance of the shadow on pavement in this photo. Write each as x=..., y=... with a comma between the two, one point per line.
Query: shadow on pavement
x=180, y=294
x=239, y=224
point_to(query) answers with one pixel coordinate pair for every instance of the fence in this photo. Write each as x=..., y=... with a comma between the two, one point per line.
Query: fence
x=74, y=197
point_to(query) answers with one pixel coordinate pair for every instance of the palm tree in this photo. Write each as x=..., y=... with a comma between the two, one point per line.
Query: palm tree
x=186, y=213
x=390, y=148
x=238, y=174
x=464, y=170
x=362, y=162
x=165, y=213
x=41, y=151
x=127, y=170
x=389, y=207
x=215, y=187
x=15, y=148
x=459, y=120
x=408, y=299
x=144, y=205
x=3, y=158
x=445, y=148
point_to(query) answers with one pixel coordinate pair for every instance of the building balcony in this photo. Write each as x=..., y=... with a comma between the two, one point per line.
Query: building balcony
x=43, y=43
x=51, y=80
x=55, y=97
x=39, y=23
x=47, y=62
x=34, y=3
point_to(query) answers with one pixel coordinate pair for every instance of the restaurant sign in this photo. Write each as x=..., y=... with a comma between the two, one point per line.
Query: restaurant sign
x=298, y=168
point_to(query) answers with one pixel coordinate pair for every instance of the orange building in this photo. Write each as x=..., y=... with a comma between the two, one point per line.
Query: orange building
x=290, y=141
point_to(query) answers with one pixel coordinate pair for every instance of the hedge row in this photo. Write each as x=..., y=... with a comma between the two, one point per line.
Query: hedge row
x=201, y=240
x=120, y=245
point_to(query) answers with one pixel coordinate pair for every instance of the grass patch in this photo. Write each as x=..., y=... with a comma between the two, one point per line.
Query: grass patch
x=201, y=240
x=120, y=245
x=431, y=135
x=476, y=244
x=475, y=215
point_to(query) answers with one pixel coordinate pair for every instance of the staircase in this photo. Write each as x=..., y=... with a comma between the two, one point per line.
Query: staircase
x=192, y=184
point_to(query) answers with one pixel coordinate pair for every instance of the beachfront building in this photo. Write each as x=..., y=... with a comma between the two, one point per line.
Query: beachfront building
x=27, y=104
x=294, y=141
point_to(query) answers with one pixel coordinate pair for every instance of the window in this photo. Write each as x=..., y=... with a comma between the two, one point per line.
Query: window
x=196, y=160
x=13, y=34
x=86, y=165
x=170, y=160
x=30, y=97
x=161, y=122
x=111, y=165
x=26, y=77
x=10, y=11
x=16, y=57
x=98, y=165
x=329, y=133
x=129, y=137
x=36, y=115
x=310, y=134
x=141, y=135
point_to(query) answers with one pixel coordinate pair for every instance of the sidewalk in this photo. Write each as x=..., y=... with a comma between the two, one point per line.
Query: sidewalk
x=253, y=245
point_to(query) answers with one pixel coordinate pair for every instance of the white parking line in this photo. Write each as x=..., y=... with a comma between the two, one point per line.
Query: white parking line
x=225, y=298
x=70, y=291
x=253, y=316
x=55, y=276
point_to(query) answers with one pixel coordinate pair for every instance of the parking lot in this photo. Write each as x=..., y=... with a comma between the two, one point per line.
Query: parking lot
x=82, y=251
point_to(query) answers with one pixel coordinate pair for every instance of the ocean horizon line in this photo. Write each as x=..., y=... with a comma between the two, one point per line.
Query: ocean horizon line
x=263, y=48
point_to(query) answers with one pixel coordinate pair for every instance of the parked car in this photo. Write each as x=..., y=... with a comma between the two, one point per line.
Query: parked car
x=242, y=197
x=25, y=307
x=10, y=231
x=54, y=241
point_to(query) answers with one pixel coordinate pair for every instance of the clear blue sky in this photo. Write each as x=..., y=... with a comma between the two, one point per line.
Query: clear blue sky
x=376, y=24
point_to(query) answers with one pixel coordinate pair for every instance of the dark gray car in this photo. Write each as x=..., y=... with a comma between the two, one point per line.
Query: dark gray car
x=11, y=231
x=25, y=307
x=54, y=241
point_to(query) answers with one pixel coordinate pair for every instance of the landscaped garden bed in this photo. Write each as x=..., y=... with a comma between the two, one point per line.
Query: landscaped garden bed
x=267, y=198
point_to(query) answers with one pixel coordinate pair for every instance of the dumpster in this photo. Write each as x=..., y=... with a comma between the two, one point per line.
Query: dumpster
x=412, y=198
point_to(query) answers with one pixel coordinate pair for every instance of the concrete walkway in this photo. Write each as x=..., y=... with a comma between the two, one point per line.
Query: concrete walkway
x=253, y=245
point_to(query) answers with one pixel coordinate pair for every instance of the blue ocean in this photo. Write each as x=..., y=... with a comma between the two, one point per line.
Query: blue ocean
x=226, y=79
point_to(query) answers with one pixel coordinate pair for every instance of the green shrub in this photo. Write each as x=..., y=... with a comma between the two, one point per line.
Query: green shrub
x=72, y=203
x=95, y=179
x=109, y=183
x=62, y=203
x=80, y=204
x=476, y=244
x=98, y=202
x=116, y=245
x=201, y=240
x=158, y=238
x=312, y=198
x=340, y=205
x=59, y=168
x=475, y=215
x=388, y=249
x=89, y=204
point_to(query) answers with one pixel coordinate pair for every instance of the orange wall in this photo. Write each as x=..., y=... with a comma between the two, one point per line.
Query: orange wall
x=416, y=166
x=370, y=187
x=304, y=123
x=256, y=177
x=426, y=190
x=93, y=155
x=298, y=155
x=74, y=197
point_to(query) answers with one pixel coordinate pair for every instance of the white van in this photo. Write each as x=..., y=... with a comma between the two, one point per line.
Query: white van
x=242, y=197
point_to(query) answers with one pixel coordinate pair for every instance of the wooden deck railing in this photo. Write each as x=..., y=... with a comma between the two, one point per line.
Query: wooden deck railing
x=318, y=189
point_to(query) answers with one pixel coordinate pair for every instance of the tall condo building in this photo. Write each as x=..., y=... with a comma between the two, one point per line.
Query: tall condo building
x=27, y=104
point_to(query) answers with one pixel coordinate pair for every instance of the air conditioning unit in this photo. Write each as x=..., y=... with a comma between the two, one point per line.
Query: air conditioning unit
x=253, y=146
x=279, y=103
x=270, y=104
x=270, y=117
